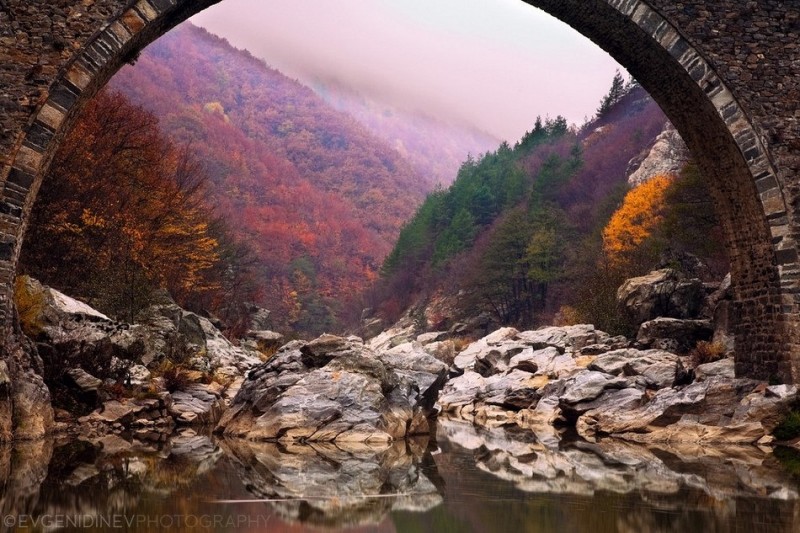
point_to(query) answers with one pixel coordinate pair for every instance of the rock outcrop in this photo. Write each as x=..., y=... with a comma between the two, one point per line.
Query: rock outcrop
x=578, y=376
x=668, y=155
x=111, y=372
x=335, y=389
x=661, y=293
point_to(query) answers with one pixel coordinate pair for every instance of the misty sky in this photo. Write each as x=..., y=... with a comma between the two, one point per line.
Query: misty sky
x=496, y=64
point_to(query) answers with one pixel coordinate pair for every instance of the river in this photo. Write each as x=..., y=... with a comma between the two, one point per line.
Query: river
x=465, y=479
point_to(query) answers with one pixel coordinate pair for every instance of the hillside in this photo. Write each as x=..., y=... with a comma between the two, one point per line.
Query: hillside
x=435, y=149
x=317, y=196
x=522, y=235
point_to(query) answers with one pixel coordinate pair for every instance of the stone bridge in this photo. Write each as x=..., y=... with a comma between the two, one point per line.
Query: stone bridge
x=726, y=72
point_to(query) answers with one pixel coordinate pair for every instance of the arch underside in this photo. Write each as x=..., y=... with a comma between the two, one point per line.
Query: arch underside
x=732, y=157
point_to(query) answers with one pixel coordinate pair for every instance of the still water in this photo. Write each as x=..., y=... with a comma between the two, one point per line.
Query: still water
x=466, y=479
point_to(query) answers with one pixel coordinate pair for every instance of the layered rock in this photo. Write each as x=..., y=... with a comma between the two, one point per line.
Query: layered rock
x=95, y=364
x=674, y=334
x=662, y=293
x=334, y=389
x=544, y=379
x=667, y=156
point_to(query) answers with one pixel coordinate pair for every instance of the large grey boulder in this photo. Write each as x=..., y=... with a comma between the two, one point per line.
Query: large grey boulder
x=661, y=293
x=466, y=359
x=334, y=389
x=716, y=410
x=673, y=334
x=659, y=368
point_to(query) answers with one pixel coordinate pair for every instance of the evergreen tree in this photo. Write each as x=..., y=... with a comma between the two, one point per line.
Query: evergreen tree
x=614, y=95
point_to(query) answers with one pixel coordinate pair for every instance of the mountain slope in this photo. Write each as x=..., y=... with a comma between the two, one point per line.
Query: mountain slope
x=434, y=148
x=318, y=197
x=517, y=235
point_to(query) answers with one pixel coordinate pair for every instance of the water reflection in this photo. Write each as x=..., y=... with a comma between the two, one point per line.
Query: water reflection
x=327, y=485
x=614, y=485
x=468, y=479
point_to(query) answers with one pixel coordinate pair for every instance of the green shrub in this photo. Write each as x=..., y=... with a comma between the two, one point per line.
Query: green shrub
x=789, y=428
x=789, y=459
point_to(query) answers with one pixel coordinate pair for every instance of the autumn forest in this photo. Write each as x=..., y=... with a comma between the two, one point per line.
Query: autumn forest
x=203, y=173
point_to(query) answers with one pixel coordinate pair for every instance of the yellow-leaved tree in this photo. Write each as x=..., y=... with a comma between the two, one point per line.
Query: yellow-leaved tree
x=641, y=213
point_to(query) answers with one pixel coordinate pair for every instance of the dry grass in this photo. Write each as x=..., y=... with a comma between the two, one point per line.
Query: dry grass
x=567, y=316
x=175, y=376
x=460, y=343
x=30, y=305
x=707, y=352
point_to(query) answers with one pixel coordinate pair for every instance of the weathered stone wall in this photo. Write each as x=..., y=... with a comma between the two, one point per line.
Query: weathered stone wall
x=755, y=48
x=726, y=72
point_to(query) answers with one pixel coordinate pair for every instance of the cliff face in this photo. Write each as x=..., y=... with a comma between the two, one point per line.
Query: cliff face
x=668, y=155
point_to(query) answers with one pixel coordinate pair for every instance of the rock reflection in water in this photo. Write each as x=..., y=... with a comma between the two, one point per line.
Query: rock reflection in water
x=23, y=469
x=495, y=480
x=720, y=486
x=102, y=476
x=336, y=486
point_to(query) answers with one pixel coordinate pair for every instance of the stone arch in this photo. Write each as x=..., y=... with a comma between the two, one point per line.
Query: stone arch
x=644, y=36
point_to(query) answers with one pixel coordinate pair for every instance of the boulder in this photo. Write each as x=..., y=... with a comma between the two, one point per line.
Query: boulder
x=712, y=411
x=658, y=367
x=138, y=375
x=404, y=331
x=70, y=334
x=661, y=293
x=673, y=334
x=724, y=368
x=262, y=341
x=564, y=338
x=371, y=327
x=258, y=318
x=466, y=358
x=196, y=404
x=444, y=351
x=589, y=385
x=432, y=336
x=463, y=390
x=545, y=362
x=83, y=380
x=334, y=389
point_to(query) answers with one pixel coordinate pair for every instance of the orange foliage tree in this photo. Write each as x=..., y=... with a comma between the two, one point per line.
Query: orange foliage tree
x=122, y=212
x=641, y=213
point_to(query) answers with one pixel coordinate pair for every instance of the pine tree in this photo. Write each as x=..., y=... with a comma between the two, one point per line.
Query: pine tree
x=614, y=95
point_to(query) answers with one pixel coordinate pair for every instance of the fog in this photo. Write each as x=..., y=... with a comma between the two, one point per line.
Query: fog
x=494, y=64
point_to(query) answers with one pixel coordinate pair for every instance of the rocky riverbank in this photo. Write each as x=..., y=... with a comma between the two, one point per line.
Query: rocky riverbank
x=174, y=368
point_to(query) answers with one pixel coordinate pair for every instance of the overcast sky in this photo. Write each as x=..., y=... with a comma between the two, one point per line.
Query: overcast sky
x=496, y=64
